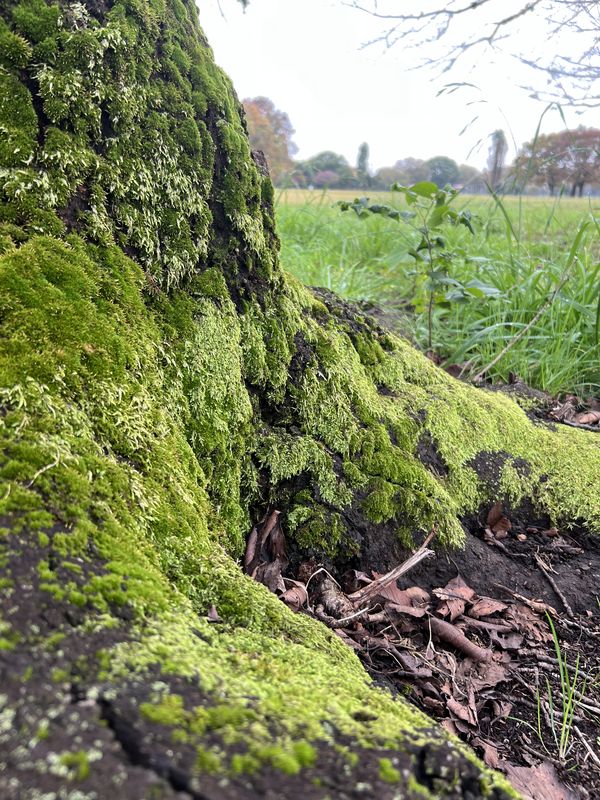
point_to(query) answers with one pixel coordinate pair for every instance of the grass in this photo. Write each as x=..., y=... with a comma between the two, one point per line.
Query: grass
x=561, y=721
x=521, y=249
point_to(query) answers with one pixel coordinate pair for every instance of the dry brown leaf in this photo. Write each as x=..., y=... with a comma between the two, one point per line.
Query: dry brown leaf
x=495, y=514
x=296, y=595
x=538, y=783
x=485, y=606
x=502, y=708
x=587, y=418
x=529, y=623
x=501, y=528
x=491, y=756
x=506, y=641
x=460, y=711
x=411, y=611
x=455, y=596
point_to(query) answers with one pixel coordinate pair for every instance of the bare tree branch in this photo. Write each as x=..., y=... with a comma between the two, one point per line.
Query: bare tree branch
x=572, y=76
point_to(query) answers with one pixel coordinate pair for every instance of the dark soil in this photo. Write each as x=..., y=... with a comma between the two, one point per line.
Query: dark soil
x=509, y=569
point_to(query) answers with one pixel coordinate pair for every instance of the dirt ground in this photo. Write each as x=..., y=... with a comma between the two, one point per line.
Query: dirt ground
x=468, y=637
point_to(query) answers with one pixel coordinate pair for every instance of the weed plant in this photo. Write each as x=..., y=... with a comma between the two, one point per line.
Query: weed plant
x=521, y=248
x=561, y=719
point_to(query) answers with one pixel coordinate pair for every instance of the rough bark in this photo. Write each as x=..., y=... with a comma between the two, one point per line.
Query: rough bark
x=162, y=384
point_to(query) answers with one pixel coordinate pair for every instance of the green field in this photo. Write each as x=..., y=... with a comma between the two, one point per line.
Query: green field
x=521, y=252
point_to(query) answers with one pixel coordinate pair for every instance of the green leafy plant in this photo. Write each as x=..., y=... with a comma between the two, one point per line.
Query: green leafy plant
x=429, y=210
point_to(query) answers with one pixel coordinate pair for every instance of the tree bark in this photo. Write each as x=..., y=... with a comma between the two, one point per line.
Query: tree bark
x=163, y=383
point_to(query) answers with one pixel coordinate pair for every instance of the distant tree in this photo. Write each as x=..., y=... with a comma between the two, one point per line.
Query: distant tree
x=326, y=179
x=271, y=131
x=386, y=176
x=566, y=158
x=496, y=159
x=542, y=162
x=328, y=161
x=583, y=154
x=413, y=170
x=471, y=179
x=443, y=170
x=362, y=165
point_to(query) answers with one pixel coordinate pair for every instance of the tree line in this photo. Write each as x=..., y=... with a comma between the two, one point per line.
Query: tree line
x=565, y=162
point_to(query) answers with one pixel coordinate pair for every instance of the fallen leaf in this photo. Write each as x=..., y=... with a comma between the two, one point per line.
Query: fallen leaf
x=455, y=596
x=538, y=783
x=506, y=641
x=491, y=756
x=587, y=418
x=296, y=596
x=501, y=528
x=485, y=606
x=529, y=623
x=411, y=611
x=464, y=712
x=495, y=514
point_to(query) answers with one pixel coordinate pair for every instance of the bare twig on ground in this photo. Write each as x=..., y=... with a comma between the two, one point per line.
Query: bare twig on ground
x=455, y=637
x=373, y=588
x=585, y=743
x=554, y=585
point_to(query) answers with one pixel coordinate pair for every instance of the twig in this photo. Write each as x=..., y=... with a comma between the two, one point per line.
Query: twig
x=554, y=585
x=41, y=471
x=372, y=589
x=479, y=377
x=594, y=428
x=455, y=637
x=586, y=745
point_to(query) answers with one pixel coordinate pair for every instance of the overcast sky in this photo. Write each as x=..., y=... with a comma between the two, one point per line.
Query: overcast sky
x=308, y=57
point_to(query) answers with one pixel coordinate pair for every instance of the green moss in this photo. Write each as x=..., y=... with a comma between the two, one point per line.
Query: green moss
x=77, y=763
x=208, y=761
x=388, y=772
x=169, y=711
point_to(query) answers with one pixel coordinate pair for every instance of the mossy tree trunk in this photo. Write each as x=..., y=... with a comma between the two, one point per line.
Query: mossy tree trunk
x=163, y=383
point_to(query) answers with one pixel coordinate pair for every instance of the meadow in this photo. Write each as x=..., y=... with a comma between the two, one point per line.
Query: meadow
x=528, y=260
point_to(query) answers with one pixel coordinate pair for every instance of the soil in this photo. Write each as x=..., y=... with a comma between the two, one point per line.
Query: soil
x=533, y=570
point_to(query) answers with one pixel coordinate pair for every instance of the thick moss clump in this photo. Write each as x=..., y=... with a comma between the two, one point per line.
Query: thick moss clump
x=162, y=383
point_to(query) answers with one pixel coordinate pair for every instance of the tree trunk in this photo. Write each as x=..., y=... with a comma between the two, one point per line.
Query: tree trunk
x=164, y=383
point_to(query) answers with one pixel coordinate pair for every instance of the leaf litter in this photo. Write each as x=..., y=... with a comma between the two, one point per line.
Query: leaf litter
x=476, y=662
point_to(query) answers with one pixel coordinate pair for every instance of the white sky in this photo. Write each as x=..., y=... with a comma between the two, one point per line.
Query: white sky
x=306, y=56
